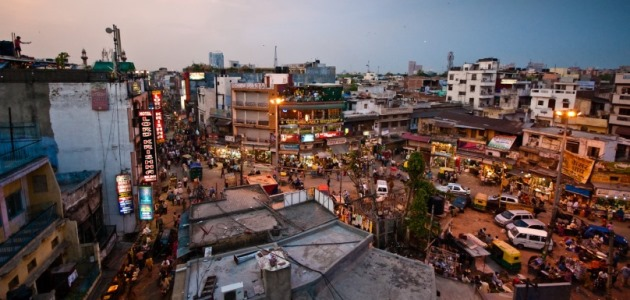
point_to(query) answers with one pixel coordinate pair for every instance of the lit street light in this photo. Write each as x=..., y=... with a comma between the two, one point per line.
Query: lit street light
x=564, y=119
x=276, y=102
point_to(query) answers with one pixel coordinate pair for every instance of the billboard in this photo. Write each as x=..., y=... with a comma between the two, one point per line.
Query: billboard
x=147, y=146
x=309, y=137
x=577, y=167
x=502, y=142
x=145, y=202
x=156, y=99
x=125, y=196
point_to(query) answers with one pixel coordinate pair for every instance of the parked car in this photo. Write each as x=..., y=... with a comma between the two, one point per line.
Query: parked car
x=454, y=188
x=504, y=198
x=527, y=223
x=461, y=202
x=522, y=237
x=619, y=241
x=510, y=216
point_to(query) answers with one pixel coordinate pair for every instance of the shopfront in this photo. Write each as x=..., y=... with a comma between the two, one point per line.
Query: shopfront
x=611, y=197
x=443, y=153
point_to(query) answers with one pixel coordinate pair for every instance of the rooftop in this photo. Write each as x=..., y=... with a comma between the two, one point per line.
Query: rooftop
x=574, y=133
x=467, y=120
x=330, y=257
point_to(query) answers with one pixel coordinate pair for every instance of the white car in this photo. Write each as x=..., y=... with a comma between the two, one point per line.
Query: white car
x=454, y=188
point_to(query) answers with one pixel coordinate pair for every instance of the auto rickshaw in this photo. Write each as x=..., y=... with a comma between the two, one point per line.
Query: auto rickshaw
x=480, y=202
x=506, y=256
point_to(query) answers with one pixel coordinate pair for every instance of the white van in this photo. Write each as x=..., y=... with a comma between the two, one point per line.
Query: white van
x=381, y=188
x=522, y=237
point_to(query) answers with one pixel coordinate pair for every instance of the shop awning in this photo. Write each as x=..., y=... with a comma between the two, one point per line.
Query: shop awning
x=577, y=190
x=223, y=122
x=339, y=149
x=415, y=137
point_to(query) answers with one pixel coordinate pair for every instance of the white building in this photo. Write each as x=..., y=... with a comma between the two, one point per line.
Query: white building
x=473, y=84
x=90, y=139
x=546, y=100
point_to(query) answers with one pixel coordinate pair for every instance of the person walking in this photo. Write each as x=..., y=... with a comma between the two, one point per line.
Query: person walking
x=625, y=273
x=149, y=264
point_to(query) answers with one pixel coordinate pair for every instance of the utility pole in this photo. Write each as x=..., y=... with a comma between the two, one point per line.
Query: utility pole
x=611, y=250
x=242, y=158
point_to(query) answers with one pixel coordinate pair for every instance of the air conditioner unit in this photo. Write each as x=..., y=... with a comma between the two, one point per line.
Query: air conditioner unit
x=233, y=291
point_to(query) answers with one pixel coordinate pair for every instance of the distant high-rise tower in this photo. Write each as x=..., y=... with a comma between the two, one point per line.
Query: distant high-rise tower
x=216, y=60
x=413, y=68
x=275, y=56
x=450, y=59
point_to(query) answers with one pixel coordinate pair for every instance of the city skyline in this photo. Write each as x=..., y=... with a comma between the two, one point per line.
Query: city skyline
x=346, y=34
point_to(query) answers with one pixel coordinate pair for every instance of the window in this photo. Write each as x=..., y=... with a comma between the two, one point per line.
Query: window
x=31, y=265
x=14, y=282
x=54, y=242
x=551, y=104
x=534, y=238
x=593, y=152
x=449, y=98
x=40, y=184
x=451, y=76
x=473, y=77
x=471, y=101
x=403, y=123
x=624, y=111
x=472, y=88
x=365, y=106
x=565, y=103
x=573, y=146
x=14, y=204
x=541, y=102
x=614, y=178
x=450, y=87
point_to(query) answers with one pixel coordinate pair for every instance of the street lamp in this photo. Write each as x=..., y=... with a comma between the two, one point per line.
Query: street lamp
x=564, y=119
x=276, y=102
x=117, y=46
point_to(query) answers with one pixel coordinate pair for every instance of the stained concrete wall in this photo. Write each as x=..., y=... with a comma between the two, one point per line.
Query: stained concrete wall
x=94, y=140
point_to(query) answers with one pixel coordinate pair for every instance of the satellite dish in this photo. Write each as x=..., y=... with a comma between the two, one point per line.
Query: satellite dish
x=109, y=30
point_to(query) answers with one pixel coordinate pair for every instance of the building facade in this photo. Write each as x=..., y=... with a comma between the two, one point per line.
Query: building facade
x=545, y=101
x=473, y=84
x=216, y=60
x=620, y=114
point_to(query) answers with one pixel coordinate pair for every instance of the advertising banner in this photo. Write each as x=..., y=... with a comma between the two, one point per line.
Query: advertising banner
x=100, y=99
x=329, y=134
x=125, y=196
x=471, y=146
x=147, y=147
x=577, y=167
x=290, y=138
x=156, y=98
x=502, y=142
x=145, y=202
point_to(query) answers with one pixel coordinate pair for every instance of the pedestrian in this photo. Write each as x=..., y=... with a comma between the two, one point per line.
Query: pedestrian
x=17, y=44
x=149, y=264
x=185, y=181
x=222, y=171
x=140, y=259
x=328, y=182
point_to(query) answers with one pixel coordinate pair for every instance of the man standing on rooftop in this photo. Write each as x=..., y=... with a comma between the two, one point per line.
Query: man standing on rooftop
x=18, y=46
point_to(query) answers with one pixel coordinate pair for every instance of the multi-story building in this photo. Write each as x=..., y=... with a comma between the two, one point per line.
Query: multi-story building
x=216, y=60
x=620, y=114
x=413, y=68
x=309, y=119
x=83, y=122
x=547, y=100
x=473, y=84
x=312, y=72
x=39, y=248
x=215, y=106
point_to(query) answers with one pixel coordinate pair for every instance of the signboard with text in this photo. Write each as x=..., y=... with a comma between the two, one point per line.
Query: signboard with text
x=502, y=142
x=125, y=196
x=290, y=138
x=145, y=203
x=329, y=134
x=147, y=146
x=156, y=97
x=577, y=167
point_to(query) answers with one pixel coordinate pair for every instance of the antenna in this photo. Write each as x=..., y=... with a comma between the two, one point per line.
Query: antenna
x=275, y=56
x=368, y=66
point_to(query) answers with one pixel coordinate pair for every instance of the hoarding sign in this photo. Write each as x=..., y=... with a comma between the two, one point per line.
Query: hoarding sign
x=125, y=196
x=309, y=137
x=100, y=99
x=145, y=202
x=290, y=138
x=329, y=134
x=577, y=167
x=156, y=98
x=147, y=147
x=471, y=146
x=502, y=142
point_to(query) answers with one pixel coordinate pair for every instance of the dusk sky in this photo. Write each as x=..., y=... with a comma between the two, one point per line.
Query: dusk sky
x=344, y=34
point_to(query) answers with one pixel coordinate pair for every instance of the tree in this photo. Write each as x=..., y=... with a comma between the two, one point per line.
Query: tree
x=61, y=60
x=419, y=189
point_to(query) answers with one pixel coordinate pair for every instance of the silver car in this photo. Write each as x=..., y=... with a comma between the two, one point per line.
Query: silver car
x=527, y=223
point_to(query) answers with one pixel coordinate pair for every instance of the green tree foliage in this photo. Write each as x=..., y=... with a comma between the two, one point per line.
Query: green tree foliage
x=417, y=215
x=61, y=60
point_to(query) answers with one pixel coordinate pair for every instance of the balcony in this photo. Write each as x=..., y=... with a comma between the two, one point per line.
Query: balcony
x=11, y=159
x=622, y=78
x=486, y=94
x=35, y=229
x=623, y=99
x=395, y=110
x=251, y=123
x=551, y=93
x=616, y=119
x=261, y=106
x=220, y=113
x=310, y=122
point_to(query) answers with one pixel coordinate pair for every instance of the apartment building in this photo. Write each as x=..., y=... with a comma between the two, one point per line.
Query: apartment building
x=473, y=84
x=560, y=96
x=619, y=121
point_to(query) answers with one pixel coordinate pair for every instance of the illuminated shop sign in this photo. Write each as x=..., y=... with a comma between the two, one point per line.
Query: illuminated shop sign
x=145, y=202
x=156, y=97
x=290, y=138
x=125, y=196
x=329, y=134
x=309, y=137
x=147, y=146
